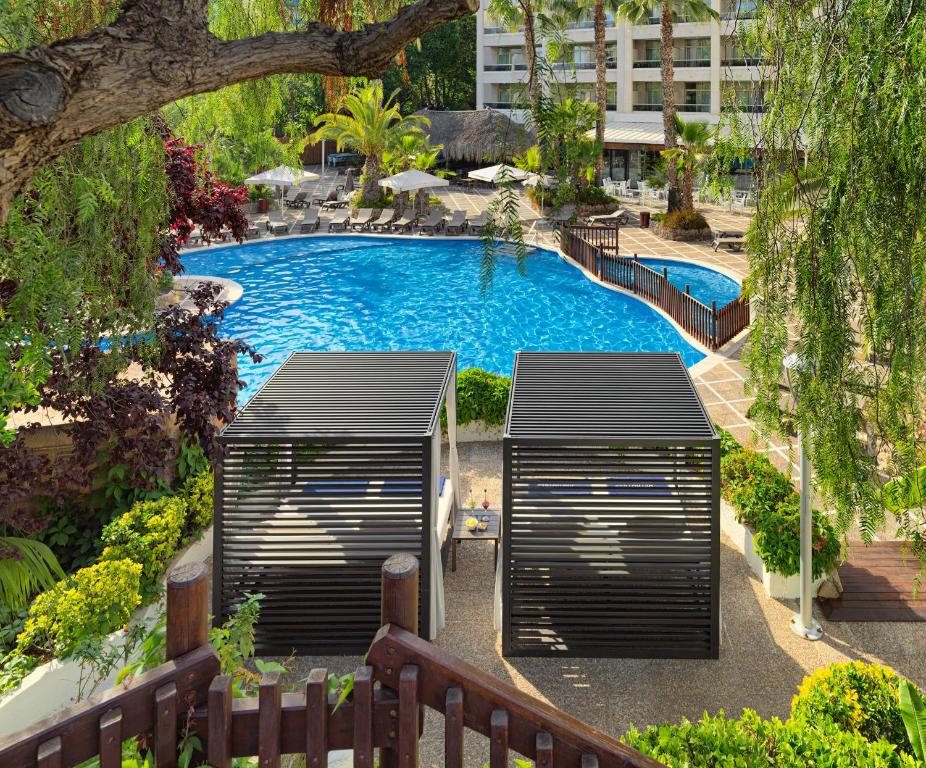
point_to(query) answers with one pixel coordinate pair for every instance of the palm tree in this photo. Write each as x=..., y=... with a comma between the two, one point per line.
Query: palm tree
x=412, y=150
x=26, y=567
x=695, y=138
x=372, y=126
x=599, y=10
x=639, y=12
x=514, y=13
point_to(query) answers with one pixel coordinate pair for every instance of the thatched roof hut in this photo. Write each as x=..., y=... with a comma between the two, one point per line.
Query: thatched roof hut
x=482, y=136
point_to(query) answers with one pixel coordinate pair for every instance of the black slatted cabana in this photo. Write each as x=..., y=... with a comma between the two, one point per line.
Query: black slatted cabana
x=329, y=469
x=611, y=509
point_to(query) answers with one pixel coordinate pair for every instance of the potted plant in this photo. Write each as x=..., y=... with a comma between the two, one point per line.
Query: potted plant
x=260, y=195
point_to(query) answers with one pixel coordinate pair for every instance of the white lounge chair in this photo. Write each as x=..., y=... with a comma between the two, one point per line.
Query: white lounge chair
x=340, y=222
x=405, y=222
x=477, y=224
x=310, y=221
x=620, y=216
x=456, y=224
x=432, y=223
x=277, y=224
x=362, y=219
x=385, y=220
x=732, y=240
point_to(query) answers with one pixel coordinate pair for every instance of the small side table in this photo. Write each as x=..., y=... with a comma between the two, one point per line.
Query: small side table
x=462, y=533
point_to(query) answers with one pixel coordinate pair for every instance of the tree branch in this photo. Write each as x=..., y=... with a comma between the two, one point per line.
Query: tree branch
x=158, y=51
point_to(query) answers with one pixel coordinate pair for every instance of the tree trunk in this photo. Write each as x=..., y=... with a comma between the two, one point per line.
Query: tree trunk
x=158, y=51
x=668, y=99
x=371, y=176
x=688, y=196
x=530, y=54
x=601, y=85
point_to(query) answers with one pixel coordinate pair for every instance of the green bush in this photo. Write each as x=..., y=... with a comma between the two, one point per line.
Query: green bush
x=686, y=218
x=765, y=500
x=594, y=196
x=90, y=603
x=197, y=493
x=857, y=697
x=148, y=534
x=751, y=742
x=482, y=396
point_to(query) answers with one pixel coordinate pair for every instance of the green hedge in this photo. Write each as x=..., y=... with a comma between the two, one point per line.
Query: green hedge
x=481, y=396
x=751, y=742
x=765, y=500
x=844, y=715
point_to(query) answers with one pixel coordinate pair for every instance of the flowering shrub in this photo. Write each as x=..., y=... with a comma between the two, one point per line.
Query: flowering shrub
x=91, y=602
x=857, y=697
x=148, y=534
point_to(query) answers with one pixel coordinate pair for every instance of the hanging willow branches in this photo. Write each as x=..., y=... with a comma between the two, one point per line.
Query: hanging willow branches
x=837, y=255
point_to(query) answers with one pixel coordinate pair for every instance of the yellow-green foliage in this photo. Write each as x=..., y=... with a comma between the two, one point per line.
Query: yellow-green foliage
x=197, y=492
x=90, y=603
x=858, y=697
x=149, y=534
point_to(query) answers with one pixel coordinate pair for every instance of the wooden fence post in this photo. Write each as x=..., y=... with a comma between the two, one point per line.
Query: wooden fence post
x=187, y=609
x=399, y=603
x=399, y=606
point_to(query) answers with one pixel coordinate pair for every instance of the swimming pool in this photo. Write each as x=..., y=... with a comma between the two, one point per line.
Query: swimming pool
x=367, y=293
x=706, y=285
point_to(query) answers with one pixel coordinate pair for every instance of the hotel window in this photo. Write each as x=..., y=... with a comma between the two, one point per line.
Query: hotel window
x=697, y=97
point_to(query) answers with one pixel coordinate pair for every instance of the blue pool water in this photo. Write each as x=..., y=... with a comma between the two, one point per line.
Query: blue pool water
x=707, y=285
x=342, y=293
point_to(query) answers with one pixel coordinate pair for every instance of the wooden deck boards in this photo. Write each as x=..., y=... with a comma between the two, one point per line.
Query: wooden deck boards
x=879, y=583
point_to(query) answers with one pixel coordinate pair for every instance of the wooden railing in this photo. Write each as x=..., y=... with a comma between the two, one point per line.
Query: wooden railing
x=187, y=694
x=595, y=249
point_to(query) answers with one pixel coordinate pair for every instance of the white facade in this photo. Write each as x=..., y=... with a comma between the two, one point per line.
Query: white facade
x=710, y=71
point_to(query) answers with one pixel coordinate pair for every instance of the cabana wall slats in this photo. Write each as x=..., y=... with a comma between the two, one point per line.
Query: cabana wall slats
x=610, y=543
x=327, y=471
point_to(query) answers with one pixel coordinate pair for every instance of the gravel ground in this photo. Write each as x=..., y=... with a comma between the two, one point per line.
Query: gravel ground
x=760, y=665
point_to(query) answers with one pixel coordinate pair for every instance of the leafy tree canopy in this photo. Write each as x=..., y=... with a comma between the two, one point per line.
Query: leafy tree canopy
x=838, y=261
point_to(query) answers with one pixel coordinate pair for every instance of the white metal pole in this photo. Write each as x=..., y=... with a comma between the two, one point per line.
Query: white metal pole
x=803, y=623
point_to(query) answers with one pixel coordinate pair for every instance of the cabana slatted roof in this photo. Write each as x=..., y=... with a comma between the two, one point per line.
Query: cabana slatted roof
x=322, y=394
x=610, y=395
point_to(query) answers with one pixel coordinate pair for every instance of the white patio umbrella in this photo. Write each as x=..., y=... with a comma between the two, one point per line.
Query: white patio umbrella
x=282, y=176
x=494, y=173
x=412, y=181
x=538, y=180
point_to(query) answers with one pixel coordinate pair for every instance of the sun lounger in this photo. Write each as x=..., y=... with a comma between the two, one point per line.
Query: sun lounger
x=340, y=201
x=405, y=222
x=296, y=202
x=456, y=224
x=732, y=240
x=277, y=224
x=310, y=221
x=619, y=216
x=362, y=219
x=254, y=229
x=384, y=222
x=477, y=224
x=340, y=222
x=433, y=223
